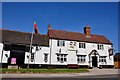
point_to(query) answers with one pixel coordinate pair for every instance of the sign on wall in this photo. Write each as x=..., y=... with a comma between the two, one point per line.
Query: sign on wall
x=13, y=60
x=110, y=52
x=72, y=45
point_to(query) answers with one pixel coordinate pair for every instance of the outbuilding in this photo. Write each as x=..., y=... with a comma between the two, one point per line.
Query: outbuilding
x=117, y=60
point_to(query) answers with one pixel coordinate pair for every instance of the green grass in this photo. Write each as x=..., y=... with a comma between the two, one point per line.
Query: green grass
x=43, y=70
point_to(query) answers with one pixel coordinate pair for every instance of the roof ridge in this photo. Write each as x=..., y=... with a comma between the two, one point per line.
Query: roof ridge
x=14, y=30
x=78, y=36
x=67, y=31
x=78, y=32
x=19, y=31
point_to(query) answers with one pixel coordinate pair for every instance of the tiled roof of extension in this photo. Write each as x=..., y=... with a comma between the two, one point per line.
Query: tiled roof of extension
x=15, y=37
x=65, y=35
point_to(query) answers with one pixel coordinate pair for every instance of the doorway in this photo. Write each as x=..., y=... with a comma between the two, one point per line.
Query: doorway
x=17, y=54
x=94, y=61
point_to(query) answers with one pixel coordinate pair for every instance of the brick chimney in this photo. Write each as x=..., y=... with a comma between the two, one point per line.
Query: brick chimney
x=49, y=27
x=87, y=30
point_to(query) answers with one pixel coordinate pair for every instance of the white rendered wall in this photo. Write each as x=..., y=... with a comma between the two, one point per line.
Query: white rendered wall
x=5, y=58
x=55, y=49
x=1, y=48
x=81, y=51
x=38, y=56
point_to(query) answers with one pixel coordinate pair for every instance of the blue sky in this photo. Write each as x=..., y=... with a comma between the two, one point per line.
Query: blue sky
x=68, y=16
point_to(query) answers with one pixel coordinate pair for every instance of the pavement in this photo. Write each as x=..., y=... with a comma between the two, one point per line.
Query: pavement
x=93, y=72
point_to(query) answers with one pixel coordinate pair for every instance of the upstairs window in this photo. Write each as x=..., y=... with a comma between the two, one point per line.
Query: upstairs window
x=82, y=45
x=60, y=43
x=100, y=47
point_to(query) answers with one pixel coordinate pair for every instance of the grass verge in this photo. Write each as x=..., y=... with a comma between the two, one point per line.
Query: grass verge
x=43, y=70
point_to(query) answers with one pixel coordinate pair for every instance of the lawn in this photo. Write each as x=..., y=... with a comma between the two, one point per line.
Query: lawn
x=65, y=70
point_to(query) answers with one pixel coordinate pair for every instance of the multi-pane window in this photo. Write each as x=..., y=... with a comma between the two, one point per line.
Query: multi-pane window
x=100, y=47
x=45, y=57
x=61, y=58
x=60, y=43
x=32, y=57
x=102, y=59
x=81, y=58
x=82, y=45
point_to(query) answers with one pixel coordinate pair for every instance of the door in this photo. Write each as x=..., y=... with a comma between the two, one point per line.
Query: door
x=72, y=58
x=18, y=55
x=94, y=61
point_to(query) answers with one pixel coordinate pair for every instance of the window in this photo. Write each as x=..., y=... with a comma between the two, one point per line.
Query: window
x=61, y=58
x=32, y=57
x=45, y=57
x=81, y=58
x=102, y=59
x=81, y=45
x=100, y=47
x=60, y=43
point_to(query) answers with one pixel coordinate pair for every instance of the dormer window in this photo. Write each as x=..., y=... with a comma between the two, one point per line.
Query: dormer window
x=60, y=43
x=100, y=47
x=82, y=45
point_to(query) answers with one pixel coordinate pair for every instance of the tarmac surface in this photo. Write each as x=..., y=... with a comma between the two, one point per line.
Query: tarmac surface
x=94, y=74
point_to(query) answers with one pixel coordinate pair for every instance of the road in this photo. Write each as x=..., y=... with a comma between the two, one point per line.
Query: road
x=65, y=79
x=98, y=77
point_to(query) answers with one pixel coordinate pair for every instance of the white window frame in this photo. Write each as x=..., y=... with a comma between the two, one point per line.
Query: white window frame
x=32, y=57
x=46, y=57
x=82, y=45
x=60, y=43
x=100, y=47
x=81, y=58
x=102, y=59
x=61, y=58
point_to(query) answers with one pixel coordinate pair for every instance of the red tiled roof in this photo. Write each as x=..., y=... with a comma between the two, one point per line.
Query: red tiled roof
x=59, y=34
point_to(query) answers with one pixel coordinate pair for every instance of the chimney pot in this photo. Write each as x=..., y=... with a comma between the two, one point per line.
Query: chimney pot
x=87, y=30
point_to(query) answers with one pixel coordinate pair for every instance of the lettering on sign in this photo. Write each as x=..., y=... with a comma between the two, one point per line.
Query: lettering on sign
x=72, y=45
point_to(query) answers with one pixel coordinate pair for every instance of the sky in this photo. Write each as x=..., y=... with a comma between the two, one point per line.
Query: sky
x=102, y=17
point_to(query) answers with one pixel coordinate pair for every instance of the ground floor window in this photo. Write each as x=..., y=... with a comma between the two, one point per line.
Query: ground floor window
x=81, y=58
x=45, y=57
x=32, y=57
x=61, y=58
x=102, y=59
